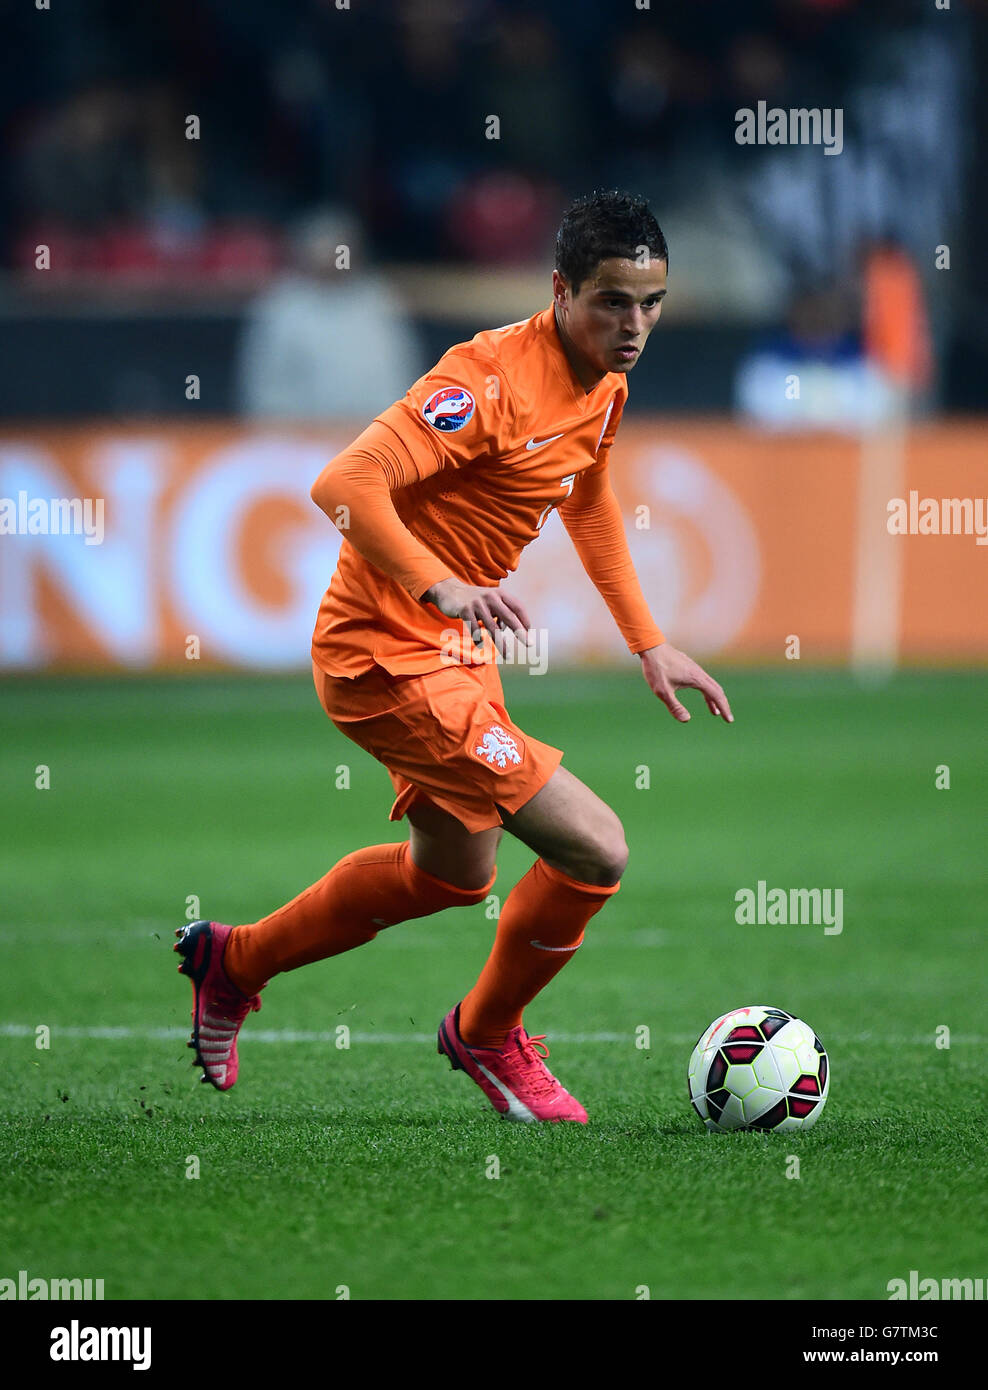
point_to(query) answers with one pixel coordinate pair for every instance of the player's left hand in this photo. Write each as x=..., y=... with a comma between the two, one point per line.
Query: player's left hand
x=667, y=670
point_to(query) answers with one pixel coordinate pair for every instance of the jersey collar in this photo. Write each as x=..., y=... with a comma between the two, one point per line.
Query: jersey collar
x=586, y=400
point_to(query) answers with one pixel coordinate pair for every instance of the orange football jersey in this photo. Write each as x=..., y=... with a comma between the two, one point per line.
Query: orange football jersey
x=455, y=480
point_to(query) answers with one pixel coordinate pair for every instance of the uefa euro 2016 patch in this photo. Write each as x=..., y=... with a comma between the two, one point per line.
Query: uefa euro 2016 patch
x=449, y=409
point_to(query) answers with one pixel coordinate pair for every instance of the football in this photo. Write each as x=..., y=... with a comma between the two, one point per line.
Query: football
x=759, y=1068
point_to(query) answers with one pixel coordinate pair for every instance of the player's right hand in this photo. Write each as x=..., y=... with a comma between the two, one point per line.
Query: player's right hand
x=481, y=609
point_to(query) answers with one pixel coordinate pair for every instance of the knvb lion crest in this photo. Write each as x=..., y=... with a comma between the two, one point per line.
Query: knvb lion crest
x=498, y=747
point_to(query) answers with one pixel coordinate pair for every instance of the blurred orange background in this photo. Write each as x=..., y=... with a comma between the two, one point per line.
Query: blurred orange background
x=742, y=540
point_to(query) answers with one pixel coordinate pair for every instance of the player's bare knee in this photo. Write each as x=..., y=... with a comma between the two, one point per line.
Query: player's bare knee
x=612, y=862
x=602, y=859
x=476, y=880
x=441, y=848
x=612, y=849
x=474, y=877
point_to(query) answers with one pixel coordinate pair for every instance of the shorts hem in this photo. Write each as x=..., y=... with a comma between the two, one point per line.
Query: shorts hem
x=474, y=821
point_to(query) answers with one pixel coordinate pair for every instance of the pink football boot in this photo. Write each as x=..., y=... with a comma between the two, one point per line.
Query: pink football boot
x=514, y=1078
x=218, y=1007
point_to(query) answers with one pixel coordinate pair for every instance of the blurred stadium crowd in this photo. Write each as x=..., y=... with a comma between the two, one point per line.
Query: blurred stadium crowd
x=379, y=113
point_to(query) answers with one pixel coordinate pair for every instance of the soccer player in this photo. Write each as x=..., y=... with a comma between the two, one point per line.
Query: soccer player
x=436, y=501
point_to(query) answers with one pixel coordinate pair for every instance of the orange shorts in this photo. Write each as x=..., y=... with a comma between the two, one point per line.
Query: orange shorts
x=445, y=736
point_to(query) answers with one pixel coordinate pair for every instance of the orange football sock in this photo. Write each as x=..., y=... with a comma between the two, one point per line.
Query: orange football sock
x=369, y=889
x=541, y=926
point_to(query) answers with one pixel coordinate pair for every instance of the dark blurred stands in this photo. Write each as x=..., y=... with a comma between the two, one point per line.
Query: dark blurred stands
x=160, y=244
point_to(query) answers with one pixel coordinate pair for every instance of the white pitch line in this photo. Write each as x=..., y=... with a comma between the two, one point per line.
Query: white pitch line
x=273, y=1035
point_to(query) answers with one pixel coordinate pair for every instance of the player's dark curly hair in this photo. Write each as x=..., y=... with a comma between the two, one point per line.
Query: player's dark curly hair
x=602, y=225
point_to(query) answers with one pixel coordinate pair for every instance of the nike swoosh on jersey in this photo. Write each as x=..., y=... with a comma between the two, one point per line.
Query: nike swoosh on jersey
x=555, y=948
x=537, y=443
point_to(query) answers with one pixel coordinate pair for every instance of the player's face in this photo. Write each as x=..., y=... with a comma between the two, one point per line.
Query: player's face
x=606, y=325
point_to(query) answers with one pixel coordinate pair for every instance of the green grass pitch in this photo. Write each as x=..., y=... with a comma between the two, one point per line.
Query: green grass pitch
x=366, y=1168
